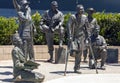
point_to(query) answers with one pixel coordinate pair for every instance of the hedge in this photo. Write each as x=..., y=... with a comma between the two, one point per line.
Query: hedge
x=109, y=23
x=110, y=27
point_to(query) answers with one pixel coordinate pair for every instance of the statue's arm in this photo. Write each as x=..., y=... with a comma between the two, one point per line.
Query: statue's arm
x=16, y=5
x=70, y=27
x=87, y=28
x=22, y=16
x=16, y=60
x=28, y=14
x=44, y=18
x=104, y=44
x=61, y=19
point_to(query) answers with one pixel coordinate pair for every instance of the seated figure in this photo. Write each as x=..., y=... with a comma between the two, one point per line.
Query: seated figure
x=99, y=48
x=22, y=69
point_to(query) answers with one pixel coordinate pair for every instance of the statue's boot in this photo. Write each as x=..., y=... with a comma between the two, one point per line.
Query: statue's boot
x=102, y=66
x=77, y=69
x=51, y=57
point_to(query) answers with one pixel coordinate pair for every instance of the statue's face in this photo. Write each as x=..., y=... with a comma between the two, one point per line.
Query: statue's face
x=17, y=41
x=20, y=41
x=54, y=7
x=80, y=10
x=96, y=32
x=90, y=13
x=25, y=6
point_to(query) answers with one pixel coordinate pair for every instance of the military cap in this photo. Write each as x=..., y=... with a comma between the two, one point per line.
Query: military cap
x=54, y=3
x=24, y=2
x=80, y=7
x=91, y=10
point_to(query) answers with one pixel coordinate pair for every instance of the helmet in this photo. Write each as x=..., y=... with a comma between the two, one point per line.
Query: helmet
x=16, y=38
x=24, y=2
x=91, y=10
x=80, y=8
x=54, y=3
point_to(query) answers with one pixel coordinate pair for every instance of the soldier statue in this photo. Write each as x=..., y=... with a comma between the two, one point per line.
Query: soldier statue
x=22, y=71
x=26, y=27
x=99, y=48
x=51, y=22
x=93, y=24
x=77, y=27
x=92, y=21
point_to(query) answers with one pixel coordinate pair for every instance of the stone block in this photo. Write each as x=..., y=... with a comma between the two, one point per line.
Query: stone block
x=60, y=55
x=112, y=55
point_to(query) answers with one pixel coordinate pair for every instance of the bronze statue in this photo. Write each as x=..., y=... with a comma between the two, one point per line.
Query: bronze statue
x=77, y=28
x=26, y=27
x=22, y=69
x=99, y=47
x=92, y=24
x=92, y=21
x=51, y=23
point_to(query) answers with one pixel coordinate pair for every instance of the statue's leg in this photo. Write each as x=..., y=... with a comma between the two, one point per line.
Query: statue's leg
x=85, y=52
x=31, y=50
x=49, y=38
x=103, y=58
x=77, y=61
x=31, y=77
x=25, y=48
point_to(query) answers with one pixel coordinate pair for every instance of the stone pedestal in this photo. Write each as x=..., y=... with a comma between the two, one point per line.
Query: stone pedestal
x=60, y=55
x=112, y=55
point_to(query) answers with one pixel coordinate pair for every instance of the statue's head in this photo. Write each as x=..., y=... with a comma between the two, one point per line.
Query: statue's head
x=24, y=3
x=80, y=9
x=16, y=39
x=96, y=31
x=54, y=5
x=90, y=11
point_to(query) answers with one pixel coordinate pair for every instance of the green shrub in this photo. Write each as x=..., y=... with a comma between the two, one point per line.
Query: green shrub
x=109, y=23
x=39, y=37
x=110, y=27
x=7, y=27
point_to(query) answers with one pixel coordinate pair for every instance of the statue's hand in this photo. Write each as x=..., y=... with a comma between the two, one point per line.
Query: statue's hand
x=101, y=47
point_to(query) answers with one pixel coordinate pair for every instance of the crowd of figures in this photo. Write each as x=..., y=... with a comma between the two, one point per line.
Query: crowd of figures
x=83, y=37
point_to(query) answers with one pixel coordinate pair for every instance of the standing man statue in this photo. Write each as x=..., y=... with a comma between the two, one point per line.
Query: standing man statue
x=22, y=71
x=51, y=22
x=77, y=27
x=92, y=21
x=99, y=48
x=26, y=27
x=93, y=24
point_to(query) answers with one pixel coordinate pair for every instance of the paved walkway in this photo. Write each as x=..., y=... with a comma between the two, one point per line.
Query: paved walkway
x=55, y=71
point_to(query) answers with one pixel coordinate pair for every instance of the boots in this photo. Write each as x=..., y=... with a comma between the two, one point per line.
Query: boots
x=51, y=57
x=77, y=69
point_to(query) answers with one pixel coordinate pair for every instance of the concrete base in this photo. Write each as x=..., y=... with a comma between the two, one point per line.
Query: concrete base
x=89, y=78
x=60, y=55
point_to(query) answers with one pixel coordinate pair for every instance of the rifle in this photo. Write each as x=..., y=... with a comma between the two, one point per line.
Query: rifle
x=91, y=50
x=87, y=30
x=53, y=24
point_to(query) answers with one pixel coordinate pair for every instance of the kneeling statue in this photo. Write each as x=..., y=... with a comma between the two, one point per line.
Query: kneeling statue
x=22, y=69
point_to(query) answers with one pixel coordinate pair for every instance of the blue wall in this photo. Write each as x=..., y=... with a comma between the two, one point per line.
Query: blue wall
x=69, y=5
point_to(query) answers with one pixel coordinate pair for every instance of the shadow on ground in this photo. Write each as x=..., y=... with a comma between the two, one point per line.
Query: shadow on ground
x=7, y=80
x=6, y=73
x=6, y=67
x=62, y=72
